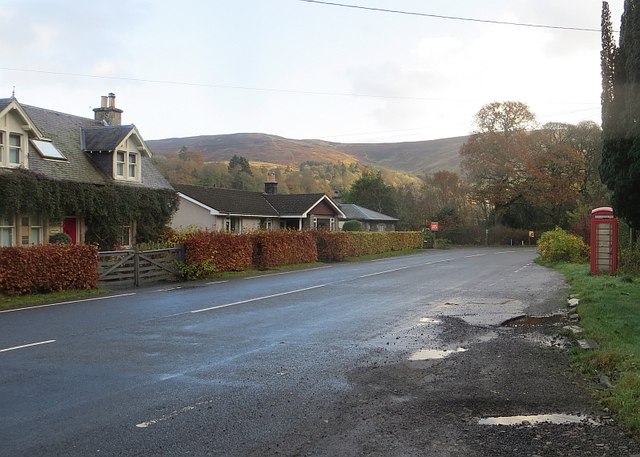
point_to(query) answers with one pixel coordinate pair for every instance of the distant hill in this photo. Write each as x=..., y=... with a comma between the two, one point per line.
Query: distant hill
x=412, y=157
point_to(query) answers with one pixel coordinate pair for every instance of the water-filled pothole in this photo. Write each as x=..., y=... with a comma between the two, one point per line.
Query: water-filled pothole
x=538, y=419
x=430, y=354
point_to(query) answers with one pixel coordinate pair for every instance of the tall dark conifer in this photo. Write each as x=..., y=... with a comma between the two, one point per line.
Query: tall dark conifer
x=620, y=166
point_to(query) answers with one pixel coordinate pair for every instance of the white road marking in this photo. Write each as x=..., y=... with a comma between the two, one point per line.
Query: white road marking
x=266, y=297
x=27, y=345
x=173, y=414
x=216, y=282
x=383, y=272
x=285, y=272
x=473, y=255
x=68, y=302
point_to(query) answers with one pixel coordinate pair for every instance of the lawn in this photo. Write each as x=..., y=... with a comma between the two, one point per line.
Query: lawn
x=609, y=312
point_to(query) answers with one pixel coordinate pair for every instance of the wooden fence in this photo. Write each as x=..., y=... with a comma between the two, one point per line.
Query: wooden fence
x=130, y=268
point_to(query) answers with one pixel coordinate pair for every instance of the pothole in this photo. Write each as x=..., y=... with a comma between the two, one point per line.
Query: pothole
x=538, y=419
x=430, y=354
x=534, y=321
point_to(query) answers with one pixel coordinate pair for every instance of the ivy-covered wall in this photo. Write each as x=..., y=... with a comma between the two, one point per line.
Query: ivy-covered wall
x=105, y=208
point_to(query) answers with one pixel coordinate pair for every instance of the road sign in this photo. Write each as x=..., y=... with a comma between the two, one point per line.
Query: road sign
x=433, y=227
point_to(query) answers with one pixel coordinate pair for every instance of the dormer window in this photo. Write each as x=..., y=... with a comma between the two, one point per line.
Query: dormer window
x=11, y=150
x=128, y=165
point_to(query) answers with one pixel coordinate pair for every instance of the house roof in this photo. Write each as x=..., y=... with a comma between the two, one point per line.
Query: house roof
x=242, y=202
x=105, y=138
x=74, y=136
x=293, y=204
x=229, y=201
x=353, y=211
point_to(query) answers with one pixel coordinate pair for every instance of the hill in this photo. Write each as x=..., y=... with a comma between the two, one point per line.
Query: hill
x=412, y=157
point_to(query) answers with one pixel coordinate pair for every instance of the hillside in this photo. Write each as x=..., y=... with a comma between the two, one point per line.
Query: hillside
x=412, y=157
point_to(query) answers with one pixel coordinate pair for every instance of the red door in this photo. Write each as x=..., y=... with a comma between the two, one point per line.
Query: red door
x=70, y=227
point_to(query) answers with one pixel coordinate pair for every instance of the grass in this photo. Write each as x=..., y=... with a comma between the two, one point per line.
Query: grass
x=609, y=312
x=24, y=301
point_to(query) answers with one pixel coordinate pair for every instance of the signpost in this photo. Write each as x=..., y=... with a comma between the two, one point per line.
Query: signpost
x=434, y=229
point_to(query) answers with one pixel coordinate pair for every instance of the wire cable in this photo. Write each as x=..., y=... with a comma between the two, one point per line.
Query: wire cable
x=453, y=18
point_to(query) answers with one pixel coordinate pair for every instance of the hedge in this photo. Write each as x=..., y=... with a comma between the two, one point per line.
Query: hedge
x=48, y=268
x=209, y=252
x=278, y=248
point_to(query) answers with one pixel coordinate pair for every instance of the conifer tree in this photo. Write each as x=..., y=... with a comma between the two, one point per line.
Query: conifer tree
x=620, y=166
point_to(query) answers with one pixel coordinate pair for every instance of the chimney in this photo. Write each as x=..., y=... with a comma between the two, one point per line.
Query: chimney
x=108, y=112
x=271, y=185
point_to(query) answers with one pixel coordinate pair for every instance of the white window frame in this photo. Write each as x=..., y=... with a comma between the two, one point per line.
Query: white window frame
x=124, y=163
x=7, y=227
x=15, y=149
x=8, y=149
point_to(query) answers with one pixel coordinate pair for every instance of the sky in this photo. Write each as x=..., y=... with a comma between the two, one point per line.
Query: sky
x=305, y=70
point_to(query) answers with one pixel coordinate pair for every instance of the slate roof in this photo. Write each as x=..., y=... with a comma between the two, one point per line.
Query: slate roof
x=69, y=134
x=359, y=213
x=245, y=203
x=104, y=138
x=230, y=201
x=293, y=204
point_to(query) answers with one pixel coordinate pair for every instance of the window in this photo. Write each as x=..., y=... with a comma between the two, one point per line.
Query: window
x=129, y=163
x=133, y=165
x=1, y=147
x=30, y=230
x=47, y=150
x=120, y=161
x=15, y=148
x=7, y=228
x=125, y=236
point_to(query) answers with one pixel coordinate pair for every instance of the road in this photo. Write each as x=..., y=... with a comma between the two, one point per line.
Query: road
x=248, y=366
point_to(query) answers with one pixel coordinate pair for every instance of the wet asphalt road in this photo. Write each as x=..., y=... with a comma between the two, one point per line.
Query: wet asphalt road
x=230, y=368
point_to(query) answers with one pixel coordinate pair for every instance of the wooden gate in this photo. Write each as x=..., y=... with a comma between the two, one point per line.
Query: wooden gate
x=130, y=268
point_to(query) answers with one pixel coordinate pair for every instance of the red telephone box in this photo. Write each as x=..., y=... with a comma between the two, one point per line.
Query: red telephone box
x=604, y=241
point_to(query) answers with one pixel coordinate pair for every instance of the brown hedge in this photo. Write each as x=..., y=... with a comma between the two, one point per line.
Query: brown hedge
x=283, y=247
x=48, y=268
x=206, y=252
x=224, y=251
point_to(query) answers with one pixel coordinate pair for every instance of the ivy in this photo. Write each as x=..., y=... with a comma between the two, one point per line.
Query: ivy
x=105, y=208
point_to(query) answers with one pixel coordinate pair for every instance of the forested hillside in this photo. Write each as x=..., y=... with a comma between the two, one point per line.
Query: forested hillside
x=415, y=158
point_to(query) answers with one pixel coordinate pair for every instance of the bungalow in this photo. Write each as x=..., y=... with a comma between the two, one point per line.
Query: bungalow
x=54, y=166
x=371, y=221
x=240, y=211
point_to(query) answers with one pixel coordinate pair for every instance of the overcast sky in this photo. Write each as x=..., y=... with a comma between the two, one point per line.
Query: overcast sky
x=303, y=70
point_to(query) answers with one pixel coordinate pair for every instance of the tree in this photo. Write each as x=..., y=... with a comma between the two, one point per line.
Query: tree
x=493, y=159
x=371, y=192
x=505, y=118
x=240, y=172
x=620, y=166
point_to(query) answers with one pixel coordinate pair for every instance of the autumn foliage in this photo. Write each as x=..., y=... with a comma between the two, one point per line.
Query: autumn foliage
x=48, y=268
x=209, y=252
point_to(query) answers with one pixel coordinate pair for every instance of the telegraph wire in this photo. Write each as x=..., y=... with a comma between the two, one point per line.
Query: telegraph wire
x=453, y=18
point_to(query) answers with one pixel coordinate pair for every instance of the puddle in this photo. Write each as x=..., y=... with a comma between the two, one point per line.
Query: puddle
x=554, y=341
x=538, y=419
x=429, y=320
x=533, y=321
x=430, y=354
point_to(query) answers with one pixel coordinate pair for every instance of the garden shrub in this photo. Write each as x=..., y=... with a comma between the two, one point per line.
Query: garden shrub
x=559, y=245
x=352, y=226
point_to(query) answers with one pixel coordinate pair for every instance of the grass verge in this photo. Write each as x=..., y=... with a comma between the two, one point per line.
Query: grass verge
x=609, y=312
x=25, y=301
